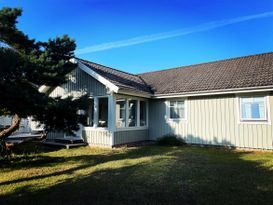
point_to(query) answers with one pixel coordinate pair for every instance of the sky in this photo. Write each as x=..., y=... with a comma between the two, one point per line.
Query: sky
x=144, y=35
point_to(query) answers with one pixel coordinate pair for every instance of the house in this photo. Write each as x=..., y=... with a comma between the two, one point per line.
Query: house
x=27, y=125
x=226, y=102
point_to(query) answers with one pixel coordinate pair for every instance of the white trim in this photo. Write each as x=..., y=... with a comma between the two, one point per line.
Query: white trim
x=216, y=92
x=111, y=113
x=266, y=121
x=43, y=88
x=96, y=128
x=98, y=77
x=138, y=114
x=125, y=105
x=167, y=104
x=147, y=114
x=96, y=112
x=137, y=99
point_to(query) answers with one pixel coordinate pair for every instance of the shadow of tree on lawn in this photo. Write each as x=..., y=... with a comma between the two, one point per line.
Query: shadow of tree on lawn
x=160, y=175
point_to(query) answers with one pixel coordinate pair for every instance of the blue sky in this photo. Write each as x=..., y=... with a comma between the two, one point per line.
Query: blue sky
x=139, y=36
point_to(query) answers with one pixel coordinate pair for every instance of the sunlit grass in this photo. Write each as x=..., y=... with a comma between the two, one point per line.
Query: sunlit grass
x=142, y=175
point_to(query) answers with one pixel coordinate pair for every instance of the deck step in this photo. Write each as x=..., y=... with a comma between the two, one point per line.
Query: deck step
x=69, y=140
x=67, y=143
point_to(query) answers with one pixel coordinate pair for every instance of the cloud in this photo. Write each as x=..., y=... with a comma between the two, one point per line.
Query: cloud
x=171, y=34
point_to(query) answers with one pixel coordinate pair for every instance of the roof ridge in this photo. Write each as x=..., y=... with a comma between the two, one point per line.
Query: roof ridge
x=204, y=63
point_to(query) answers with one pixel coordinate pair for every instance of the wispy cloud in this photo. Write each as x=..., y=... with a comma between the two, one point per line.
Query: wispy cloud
x=165, y=35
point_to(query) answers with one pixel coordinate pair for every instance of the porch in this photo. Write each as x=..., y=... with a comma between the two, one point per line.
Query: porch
x=116, y=119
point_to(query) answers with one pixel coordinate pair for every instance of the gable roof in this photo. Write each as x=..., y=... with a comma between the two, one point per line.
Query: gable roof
x=119, y=78
x=236, y=73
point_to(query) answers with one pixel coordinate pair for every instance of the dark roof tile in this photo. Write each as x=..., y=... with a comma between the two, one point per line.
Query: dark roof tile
x=241, y=72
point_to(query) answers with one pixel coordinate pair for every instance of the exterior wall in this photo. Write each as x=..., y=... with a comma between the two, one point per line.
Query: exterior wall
x=129, y=136
x=24, y=125
x=80, y=83
x=212, y=120
x=54, y=135
x=97, y=137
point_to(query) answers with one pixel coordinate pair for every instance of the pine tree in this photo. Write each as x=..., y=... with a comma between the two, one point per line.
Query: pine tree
x=25, y=66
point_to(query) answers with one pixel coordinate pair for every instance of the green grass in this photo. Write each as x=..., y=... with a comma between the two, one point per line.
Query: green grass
x=142, y=175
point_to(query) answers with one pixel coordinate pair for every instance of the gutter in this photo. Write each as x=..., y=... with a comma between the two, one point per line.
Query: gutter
x=215, y=92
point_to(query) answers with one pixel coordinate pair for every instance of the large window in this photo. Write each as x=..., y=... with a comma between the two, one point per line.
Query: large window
x=90, y=113
x=143, y=113
x=253, y=108
x=132, y=121
x=131, y=113
x=177, y=109
x=121, y=113
x=103, y=112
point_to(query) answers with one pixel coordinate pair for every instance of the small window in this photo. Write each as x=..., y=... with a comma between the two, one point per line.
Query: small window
x=103, y=112
x=121, y=113
x=132, y=121
x=90, y=113
x=253, y=109
x=143, y=113
x=177, y=109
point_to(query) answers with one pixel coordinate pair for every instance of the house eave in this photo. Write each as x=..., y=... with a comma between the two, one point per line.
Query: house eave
x=216, y=92
x=126, y=91
x=112, y=87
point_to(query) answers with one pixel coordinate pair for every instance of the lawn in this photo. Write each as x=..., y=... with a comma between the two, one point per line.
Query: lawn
x=140, y=175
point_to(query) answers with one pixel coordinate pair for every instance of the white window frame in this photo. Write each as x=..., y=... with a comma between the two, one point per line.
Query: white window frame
x=168, y=109
x=146, y=101
x=96, y=114
x=92, y=98
x=265, y=120
x=121, y=100
x=137, y=127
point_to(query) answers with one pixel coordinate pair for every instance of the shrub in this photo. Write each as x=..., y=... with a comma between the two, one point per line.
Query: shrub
x=171, y=140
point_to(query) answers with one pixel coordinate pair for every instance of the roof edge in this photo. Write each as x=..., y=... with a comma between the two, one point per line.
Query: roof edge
x=98, y=77
x=215, y=92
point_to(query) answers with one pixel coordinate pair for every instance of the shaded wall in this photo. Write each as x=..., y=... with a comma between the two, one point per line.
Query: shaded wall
x=211, y=120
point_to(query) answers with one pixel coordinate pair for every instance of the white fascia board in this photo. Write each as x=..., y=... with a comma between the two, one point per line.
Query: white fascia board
x=98, y=77
x=43, y=88
x=217, y=92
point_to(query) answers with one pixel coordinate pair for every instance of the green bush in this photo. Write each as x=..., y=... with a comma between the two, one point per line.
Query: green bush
x=171, y=140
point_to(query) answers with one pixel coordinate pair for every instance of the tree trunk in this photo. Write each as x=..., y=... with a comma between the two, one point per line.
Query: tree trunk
x=12, y=128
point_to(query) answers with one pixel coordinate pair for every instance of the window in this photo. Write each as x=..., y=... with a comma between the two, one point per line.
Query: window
x=132, y=121
x=143, y=113
x=177, y=109
x=103, y=112
x=121, y=113
x=90, y=113
x=131, y=113
x=253, y=108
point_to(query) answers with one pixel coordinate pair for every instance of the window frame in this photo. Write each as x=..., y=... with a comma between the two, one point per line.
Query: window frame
x=146, y=110
x=168, y=109
x=137, y=127
x=96, y=114
x=265, y=120
x=93, y=112
x=125, y=108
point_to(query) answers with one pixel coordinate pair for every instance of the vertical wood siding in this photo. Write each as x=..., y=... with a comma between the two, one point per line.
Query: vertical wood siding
x=211, y=120
x=80, y=82
x=97, y=137
x=54, y=135
x=129, y=136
